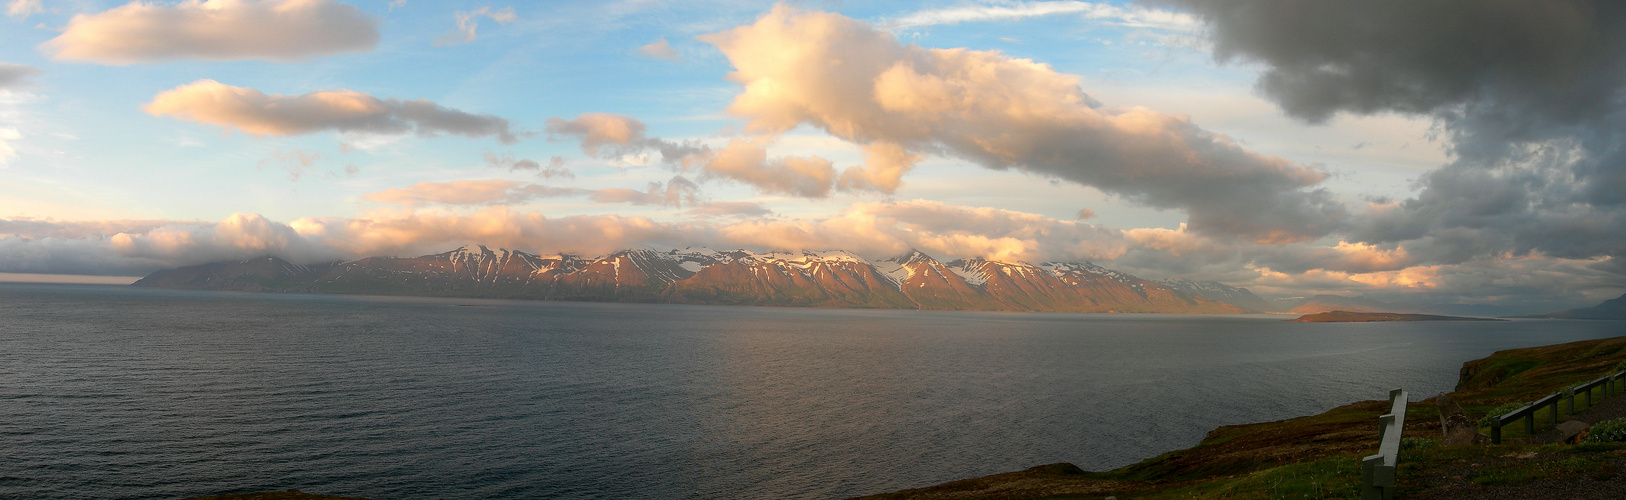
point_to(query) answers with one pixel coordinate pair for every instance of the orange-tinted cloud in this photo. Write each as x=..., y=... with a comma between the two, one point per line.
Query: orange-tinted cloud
x=861, y=84
x=478, y=192
x=261, y=114
x=869, y=229
x=883, y=169
x=746, y=161
x=217, y=30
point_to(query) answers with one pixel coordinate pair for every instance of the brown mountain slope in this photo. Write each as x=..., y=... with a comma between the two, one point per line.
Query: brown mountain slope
x=701, y=276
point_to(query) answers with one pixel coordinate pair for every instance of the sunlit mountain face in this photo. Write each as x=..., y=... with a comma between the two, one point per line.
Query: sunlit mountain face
x=1339, y=149
x=704, y=276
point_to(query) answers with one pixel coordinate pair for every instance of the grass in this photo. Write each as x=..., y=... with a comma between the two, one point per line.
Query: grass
x=1331, y=477
x=1572, y=466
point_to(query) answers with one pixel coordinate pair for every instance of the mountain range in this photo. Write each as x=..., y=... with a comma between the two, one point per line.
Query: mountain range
x=832, y=278
x=1610, y=309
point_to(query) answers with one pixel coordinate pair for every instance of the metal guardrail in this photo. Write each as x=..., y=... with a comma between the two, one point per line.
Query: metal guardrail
x=1378, y=471
x=1611, y=385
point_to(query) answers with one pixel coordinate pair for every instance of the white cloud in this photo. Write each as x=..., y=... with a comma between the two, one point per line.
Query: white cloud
x=7, y=153
x=1133, y=16
x=21, y=9
x=218, y=30
x=295, y=162
x=468, y=22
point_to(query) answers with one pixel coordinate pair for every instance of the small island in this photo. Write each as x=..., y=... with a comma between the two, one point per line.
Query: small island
x=1365, y=317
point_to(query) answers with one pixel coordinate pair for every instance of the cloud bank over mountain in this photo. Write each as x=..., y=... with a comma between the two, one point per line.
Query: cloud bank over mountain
x=816, y=130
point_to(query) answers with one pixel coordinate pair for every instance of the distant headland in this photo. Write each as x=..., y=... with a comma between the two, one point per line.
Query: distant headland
x=1366, y=317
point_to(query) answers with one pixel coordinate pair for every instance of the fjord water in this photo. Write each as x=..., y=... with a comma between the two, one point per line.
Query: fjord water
x=118, y=392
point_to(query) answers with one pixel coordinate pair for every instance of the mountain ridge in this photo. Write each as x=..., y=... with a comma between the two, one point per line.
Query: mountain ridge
x=696, y=275
x=1609, y=309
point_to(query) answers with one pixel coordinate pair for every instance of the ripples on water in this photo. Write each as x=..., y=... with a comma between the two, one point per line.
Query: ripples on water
x=116, y=392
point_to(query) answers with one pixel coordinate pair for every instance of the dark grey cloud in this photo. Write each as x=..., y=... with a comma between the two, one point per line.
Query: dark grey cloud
x=1530, y=95
x=1327, y=56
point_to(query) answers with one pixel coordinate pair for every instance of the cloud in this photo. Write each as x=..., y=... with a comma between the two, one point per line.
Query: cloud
x=474, y=192
x=1531, y=111
x=1527, y=283
x=296, y=161
x=554, y=168
x=140, y=247
x=467, y=22
x=746, y=161
x=21, y=9
x=613, y=136
x=1133, y=16
x=1084, y=214
x=675, y=193
x=659, y=49
x=730, y=209
x=218, y=30
x=876, y=229
x=860, y=84
x=623, y=138
x=423, y=233
x=15, y=75
x=31, y=228
x=939, y=229
x=883, y=169
x=260, y=114
x=8, y=153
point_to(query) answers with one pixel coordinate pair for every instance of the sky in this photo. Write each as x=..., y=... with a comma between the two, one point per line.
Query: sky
x=1463, y=154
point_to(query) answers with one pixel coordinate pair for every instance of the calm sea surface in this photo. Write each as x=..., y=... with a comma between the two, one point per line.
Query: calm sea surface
x=116, y=392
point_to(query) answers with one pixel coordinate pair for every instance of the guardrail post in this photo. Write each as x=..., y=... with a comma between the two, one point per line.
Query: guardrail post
x=1530, y=423
x=1378, y=471
x=1496, y=430
x=1369, y=477
x=1554, y=414
x=1572, y=403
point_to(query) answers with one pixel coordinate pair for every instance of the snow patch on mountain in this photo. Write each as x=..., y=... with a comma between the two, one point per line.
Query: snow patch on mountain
x=1074, y=269
x=973, y=270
